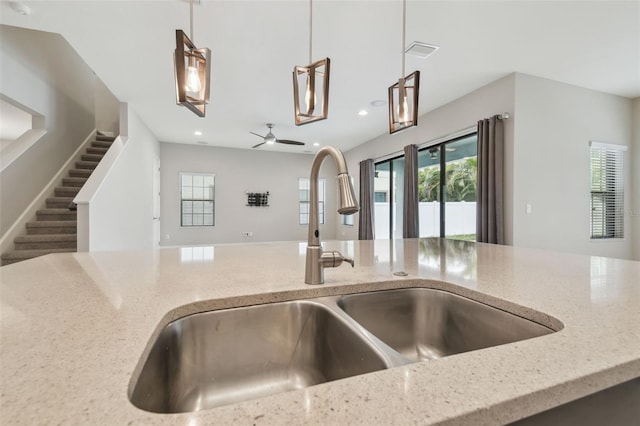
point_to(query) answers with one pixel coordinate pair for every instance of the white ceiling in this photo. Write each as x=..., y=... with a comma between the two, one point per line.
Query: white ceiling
x=256, y=44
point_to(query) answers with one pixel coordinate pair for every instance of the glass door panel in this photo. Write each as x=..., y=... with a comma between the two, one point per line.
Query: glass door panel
x=429, y=191
x=461, y=170
x=388, y=186
x=381, y=198
x=397, y=190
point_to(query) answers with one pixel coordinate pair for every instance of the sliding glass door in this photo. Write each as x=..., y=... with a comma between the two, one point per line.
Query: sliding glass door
x=388, y=187
x=447, y=181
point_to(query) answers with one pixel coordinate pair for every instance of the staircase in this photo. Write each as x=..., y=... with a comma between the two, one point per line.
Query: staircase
x=55, y=227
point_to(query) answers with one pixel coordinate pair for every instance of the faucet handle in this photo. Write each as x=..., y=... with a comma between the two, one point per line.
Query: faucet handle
x=332, y=259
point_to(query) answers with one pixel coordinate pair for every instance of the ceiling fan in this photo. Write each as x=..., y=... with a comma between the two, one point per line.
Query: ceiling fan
x=270, y=138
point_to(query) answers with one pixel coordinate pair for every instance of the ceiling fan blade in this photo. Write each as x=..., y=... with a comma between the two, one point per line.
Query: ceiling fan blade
x=260, y=136
x=288, y=142
x=261, y=143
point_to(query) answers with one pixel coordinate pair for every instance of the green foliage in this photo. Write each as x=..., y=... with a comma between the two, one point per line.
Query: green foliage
x=461, y=181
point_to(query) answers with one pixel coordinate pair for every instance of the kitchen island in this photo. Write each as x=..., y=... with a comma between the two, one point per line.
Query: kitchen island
x=74, y=326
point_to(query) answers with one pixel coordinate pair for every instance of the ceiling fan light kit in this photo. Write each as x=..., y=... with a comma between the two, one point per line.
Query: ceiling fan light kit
x=192, y=72
x=271, y=139
x=311, y=85
x=403, y=95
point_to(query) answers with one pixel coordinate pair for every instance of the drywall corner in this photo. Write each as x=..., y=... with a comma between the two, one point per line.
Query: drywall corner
x=635, y=179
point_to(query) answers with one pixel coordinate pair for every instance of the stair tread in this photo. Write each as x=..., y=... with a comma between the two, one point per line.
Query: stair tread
x=45, y=238
x=97, y=150
x=101, y=144
x=54, y=211
x=52, y=223
x=29, y=254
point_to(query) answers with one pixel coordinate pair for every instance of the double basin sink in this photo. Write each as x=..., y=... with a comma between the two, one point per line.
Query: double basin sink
x=216, y=358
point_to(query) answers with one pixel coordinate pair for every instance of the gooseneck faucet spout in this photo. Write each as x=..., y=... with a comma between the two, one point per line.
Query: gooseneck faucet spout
x=316, y=259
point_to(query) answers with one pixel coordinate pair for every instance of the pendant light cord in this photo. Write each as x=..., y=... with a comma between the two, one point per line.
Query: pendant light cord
x=404, y=25
x=310, y=30
x=191, y=20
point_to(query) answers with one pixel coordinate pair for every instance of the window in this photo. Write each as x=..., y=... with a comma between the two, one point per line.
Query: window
x=607, y=191
x=304, y=195
x=197, y=199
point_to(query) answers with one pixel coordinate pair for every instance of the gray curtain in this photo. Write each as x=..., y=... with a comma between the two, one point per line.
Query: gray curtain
x=490, y=206
x=410, y=222
x=365, y=221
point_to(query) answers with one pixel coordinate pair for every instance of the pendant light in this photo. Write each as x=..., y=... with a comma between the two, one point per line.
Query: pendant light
x=403, y=95
x=193, y=70
x=311, y=85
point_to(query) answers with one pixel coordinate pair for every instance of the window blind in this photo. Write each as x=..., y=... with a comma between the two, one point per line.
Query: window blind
x=607, y=190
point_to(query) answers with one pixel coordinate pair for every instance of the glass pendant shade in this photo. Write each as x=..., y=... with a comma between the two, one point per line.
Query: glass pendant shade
x=193, y=77
x=311, y=91
x=403, y=102
x=193, y=70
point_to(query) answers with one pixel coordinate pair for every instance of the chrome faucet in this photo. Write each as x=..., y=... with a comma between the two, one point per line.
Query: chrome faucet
x=316, y=259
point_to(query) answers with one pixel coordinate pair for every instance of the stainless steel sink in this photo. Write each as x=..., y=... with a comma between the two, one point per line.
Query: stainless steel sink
x=221, y=357
x=425, y=324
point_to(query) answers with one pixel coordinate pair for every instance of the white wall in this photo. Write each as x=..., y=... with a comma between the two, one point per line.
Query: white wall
x=237, y=172
x=494, y=98
x=43, y=73
x=635, y=180
x=107, y=108
x=554, y=123
x=121, y=210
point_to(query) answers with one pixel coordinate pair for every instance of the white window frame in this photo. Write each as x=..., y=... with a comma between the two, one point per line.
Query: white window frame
x=196, y=192
x=303, y=204
x=606, y=192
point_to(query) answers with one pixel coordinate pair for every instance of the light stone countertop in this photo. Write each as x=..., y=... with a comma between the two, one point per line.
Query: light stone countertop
x=73, y=328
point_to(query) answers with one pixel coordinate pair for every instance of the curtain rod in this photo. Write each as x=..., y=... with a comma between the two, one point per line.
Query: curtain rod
x=441, y=139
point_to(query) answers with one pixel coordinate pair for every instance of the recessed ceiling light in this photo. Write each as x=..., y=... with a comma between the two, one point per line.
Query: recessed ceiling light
x=378, y=103
x=420, y=50
x=363, y=112
x=197, y=133
x=316, y=144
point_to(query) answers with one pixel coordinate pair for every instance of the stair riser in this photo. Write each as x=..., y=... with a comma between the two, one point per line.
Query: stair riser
x=46, y=245
x=86, y=165
x=102, y=138
x=52, y=230
x=56, y=216
x=101, y=144
x=97, y=150
x=73, y=182
x=58, y=204
x=66, y=191
x=80, y=173
x=91, y=157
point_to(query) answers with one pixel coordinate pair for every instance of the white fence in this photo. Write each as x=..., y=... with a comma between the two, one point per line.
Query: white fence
x=460, y=219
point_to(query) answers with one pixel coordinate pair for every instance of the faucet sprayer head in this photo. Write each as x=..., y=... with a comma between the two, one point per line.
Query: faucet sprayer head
x=347, y=197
